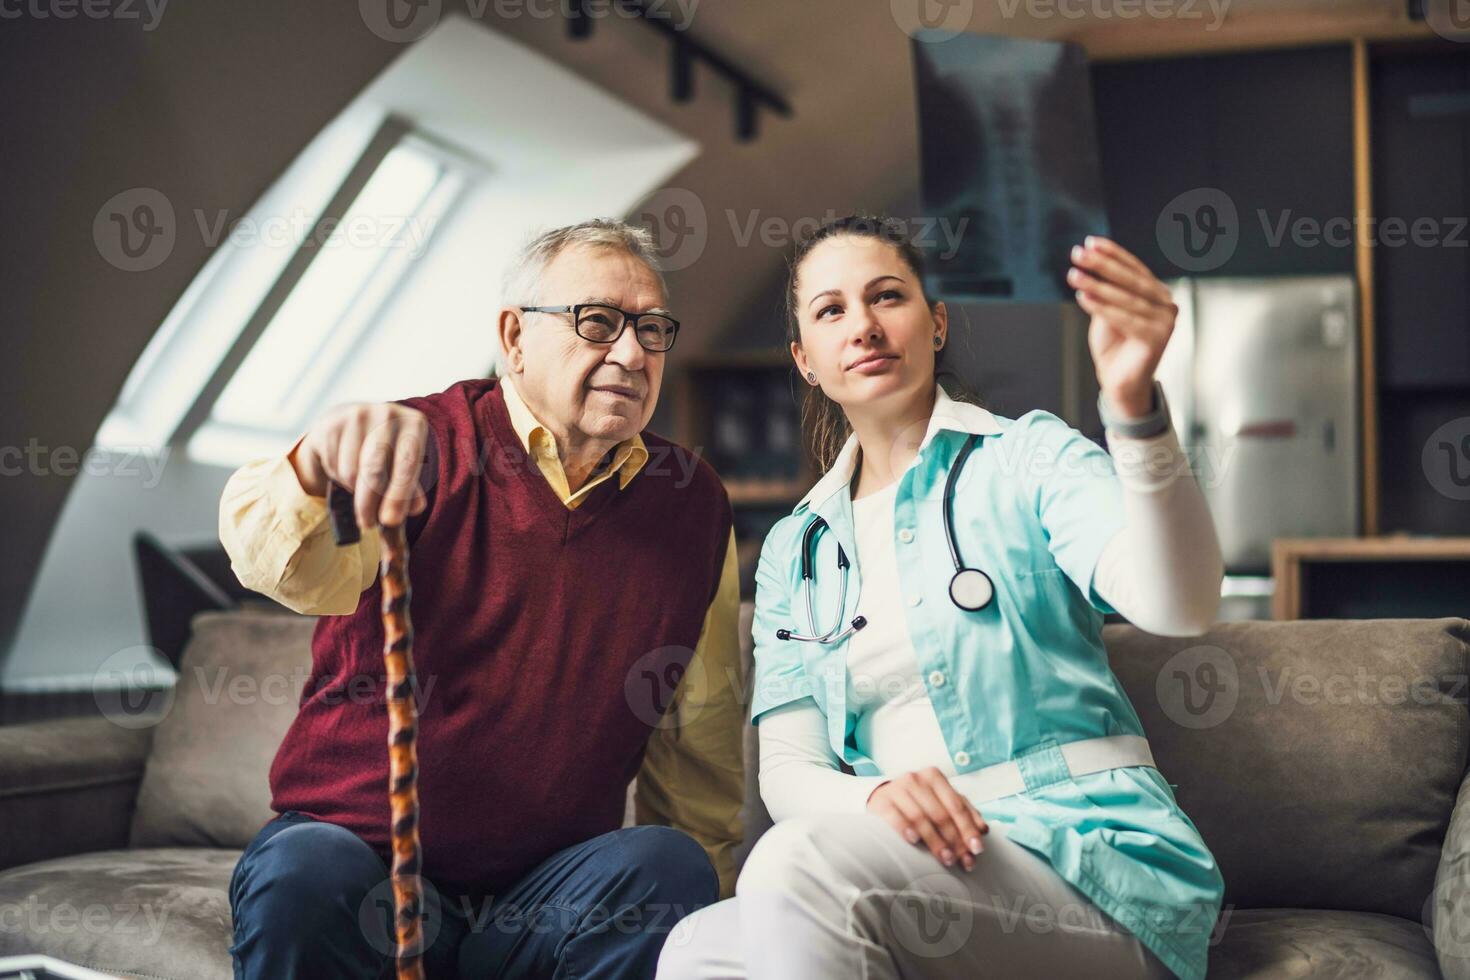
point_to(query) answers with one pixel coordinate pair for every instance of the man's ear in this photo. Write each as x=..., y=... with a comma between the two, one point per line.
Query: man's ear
x=509, y=327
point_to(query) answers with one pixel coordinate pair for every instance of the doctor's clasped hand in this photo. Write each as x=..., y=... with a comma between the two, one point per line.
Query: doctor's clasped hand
x=923, y=806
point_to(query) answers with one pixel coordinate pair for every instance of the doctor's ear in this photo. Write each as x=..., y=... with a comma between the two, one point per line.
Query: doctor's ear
x=807, y=374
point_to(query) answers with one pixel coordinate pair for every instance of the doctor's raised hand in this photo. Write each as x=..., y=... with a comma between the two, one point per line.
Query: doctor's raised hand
x=1133, y=316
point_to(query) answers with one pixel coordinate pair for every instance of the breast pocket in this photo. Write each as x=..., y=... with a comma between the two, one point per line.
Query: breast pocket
x=1054, y=612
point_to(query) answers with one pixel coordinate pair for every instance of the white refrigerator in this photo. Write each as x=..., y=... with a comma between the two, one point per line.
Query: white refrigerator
x=1262, y=377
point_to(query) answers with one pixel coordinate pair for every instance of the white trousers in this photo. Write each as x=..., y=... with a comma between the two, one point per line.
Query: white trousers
x=844, y=896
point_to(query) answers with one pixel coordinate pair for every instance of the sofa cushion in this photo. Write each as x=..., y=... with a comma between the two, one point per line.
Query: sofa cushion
x=160, y=914
x=1319, y=759
x=67, y=786
x=1287, y=944
x=240, y=681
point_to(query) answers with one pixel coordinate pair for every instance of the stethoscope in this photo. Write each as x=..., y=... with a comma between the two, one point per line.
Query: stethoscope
x=970, y=589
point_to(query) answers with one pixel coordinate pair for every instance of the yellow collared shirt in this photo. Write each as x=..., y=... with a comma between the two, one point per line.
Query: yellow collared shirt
x=693, y=775
x=628, y=455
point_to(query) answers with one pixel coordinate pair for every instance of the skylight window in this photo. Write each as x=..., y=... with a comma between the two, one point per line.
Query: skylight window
x=369, y=270
x=342, y=293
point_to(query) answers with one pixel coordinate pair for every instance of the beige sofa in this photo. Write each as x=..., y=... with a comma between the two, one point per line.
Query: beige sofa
x=1324, y=762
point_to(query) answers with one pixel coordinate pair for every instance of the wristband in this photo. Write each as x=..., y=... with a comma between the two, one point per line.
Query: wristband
x=1152, y=424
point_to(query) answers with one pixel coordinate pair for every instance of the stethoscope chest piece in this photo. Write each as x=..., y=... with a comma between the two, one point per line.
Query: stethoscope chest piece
x=971, y=589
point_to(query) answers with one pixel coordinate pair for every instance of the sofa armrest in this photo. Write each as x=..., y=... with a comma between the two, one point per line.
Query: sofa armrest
x=1447, y=911
x=67, y=787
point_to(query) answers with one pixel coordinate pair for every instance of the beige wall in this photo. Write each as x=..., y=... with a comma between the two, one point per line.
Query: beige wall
x=207, y=107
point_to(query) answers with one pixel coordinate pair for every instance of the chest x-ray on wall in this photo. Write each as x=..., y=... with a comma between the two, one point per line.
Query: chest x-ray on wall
x=1010, y=164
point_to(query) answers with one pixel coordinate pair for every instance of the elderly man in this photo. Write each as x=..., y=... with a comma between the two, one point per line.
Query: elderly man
x=575, y=605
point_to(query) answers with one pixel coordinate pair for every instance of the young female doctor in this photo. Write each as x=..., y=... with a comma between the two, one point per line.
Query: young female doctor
x=930, y=614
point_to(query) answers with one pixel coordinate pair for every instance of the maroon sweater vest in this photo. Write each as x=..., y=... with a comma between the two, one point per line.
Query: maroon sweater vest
x=547, y=643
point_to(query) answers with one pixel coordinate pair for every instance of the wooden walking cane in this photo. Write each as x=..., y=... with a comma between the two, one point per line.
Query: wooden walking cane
x=403, y=766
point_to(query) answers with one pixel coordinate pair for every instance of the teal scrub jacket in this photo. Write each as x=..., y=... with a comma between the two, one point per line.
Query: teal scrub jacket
x=1034, y=505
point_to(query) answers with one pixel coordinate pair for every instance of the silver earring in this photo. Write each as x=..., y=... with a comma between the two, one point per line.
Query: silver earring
x=811, y=376
x=938, y=341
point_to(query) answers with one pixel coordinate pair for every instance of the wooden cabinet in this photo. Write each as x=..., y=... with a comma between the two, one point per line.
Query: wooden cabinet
x=1421, y=177
x=741, y=411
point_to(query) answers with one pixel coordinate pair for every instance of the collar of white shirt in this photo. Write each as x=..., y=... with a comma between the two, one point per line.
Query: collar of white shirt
x=951, y=415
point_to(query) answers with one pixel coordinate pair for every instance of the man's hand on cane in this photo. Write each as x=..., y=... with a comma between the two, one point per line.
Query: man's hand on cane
x=375, y=452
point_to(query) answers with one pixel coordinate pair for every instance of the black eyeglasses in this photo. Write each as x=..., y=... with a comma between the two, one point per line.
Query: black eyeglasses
x=604, y=324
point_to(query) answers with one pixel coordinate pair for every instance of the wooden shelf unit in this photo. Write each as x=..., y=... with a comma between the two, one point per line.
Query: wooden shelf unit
x=695, y=420
x=1291, y=559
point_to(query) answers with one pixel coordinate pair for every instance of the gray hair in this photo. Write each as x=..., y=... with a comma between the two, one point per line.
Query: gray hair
x=521, y=285
x=522, y=282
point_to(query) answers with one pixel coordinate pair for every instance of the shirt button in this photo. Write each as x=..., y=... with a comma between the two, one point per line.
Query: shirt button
x=914, y=600
x=962, y=758
x=905, y=535
x=936, y=678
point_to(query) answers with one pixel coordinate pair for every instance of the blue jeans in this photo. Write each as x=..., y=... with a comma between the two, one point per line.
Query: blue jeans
x=311, y=900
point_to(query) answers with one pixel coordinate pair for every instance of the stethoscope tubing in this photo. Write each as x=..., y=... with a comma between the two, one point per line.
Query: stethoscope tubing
x=965, y=580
